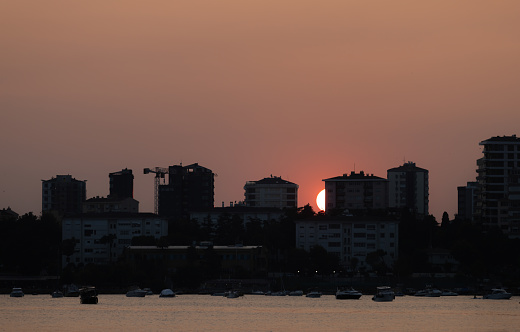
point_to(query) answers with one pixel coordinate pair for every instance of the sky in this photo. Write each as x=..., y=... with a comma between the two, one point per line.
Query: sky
x=305, y=90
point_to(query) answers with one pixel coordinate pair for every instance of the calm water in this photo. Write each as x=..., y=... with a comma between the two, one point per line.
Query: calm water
x=257, y=313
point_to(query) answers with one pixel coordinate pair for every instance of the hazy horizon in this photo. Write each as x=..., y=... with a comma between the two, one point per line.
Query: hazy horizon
x=297, y=89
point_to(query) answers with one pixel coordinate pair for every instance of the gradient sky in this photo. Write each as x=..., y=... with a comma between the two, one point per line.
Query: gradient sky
x=305, y=90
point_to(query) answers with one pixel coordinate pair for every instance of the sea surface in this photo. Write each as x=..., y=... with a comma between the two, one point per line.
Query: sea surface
x=257, y=313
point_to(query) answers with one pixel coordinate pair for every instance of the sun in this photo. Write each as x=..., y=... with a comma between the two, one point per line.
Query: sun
x=320, y=200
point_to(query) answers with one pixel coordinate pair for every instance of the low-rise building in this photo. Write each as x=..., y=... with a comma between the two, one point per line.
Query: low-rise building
x=350, y=238
x=252, y=259
x=102, y=237
x=109, y=204
x=271, y=192
x=245, y=213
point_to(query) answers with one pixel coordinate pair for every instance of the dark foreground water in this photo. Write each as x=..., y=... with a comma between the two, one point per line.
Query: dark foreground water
x=257, y=313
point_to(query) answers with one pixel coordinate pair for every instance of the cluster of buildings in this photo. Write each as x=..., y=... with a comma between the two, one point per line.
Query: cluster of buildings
x=103, y=227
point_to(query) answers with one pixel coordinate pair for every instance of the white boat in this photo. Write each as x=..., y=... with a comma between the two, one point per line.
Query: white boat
x=296, y=293
x=347, y=294
x=232, y=295
x=148, y=291
x=447, y=292
x=167, y=293
x=429, y=292
x=313, y=294
x=498, y=294
x=17, y=292
x=56, y=294
x=384, y=294
x=136, y=293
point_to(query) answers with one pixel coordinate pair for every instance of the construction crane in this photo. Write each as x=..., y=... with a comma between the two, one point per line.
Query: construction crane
x=160, y=173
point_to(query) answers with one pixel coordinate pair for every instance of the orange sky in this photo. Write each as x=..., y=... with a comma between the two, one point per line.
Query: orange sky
x=299, y=89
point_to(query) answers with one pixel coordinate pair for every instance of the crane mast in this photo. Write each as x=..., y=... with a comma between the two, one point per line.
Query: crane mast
x=160, y=173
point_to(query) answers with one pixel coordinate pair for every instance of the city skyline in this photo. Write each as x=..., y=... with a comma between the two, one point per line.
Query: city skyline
x=305, y=91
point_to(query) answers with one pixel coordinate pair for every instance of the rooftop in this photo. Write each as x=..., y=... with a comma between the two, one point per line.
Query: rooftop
x=355, y=176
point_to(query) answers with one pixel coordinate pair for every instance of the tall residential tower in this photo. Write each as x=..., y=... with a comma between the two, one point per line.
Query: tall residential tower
x=408, y=188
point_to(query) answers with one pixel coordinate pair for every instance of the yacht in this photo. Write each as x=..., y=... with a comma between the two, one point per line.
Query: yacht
x=57, y=294
x=17, y=292
x=313, y=294
x=347, y=294
x=296, y=293
x=384, y=294
x=136, y=293
x=167, y=293
x=498, y=294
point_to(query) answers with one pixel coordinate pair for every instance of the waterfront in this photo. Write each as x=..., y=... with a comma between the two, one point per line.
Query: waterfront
x=257, y=313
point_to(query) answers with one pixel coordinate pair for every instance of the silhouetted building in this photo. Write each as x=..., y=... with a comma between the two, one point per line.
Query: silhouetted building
x=121, y=184
x=408, y=188
x=245, y=213
x=8, y=214
x=63, y=195
x=357, y=191
x=466, y=199
x=271, y=192
x=498, y=203
x=189, y=188
x=105, y=205
x=102, y=237
x=230, y=260
x=351, y=239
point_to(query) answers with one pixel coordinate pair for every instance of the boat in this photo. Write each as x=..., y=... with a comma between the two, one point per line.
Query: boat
x=313, y=294
x=88, y=295
x=17, y=292
x=498, y=294
x=148, y=291
x=136, y=293
x=167, y=293
x=447, y=292
x=296, y=293
x=232, y=294
x=57, y=294
x=429, y=292
x=347, y=294
x=383, y=294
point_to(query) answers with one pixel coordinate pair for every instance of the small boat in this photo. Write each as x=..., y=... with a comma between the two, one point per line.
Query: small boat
x=88, y=295
x=296, y=293
x=498, y=294
x=384, y=294
x=148, y=291
x=447, y=292
x=347, y=294
x=167, y=293
x=232, y=294
x=313, y=294
x=57, y=294
x=257, y=292
x=17, y=292
x=136, y=293
x=429, y=292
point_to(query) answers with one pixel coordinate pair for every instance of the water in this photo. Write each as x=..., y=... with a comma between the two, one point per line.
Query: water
x=257, y=313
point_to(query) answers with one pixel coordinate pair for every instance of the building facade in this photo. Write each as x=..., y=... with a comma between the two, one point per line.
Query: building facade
x=245, y=213
x=498, y=177
x=189, y=188
x=106, y=205
x=271, y=192
x=101, y=238
x=466, y=201
x=351, y=239
x=408, y=188
x=63, y=195
x=357, y=191
x=121, y=184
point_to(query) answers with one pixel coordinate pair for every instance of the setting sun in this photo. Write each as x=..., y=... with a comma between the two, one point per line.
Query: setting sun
x=320, y=200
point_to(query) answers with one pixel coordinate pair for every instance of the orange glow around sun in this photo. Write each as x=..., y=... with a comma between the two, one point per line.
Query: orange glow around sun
x=320, y=200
